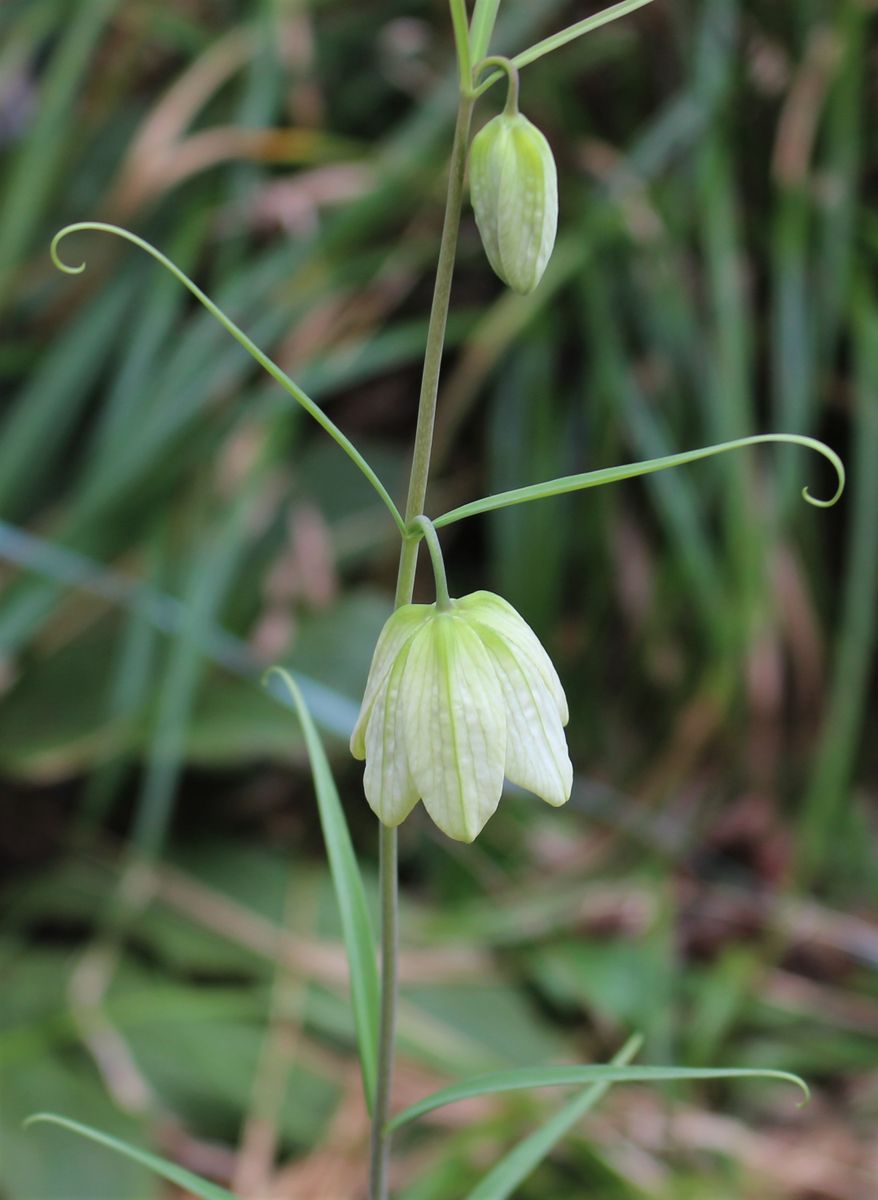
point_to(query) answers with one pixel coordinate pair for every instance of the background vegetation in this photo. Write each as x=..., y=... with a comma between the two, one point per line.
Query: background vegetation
x=171, y=963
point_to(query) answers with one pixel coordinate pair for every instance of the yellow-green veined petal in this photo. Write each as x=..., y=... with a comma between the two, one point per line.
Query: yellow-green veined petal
x=455, y=726
x=490, y=610
x=387, y=781
x=536, y=749
x=398, y=628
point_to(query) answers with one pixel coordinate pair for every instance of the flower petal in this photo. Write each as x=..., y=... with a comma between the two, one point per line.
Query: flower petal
x=536, y=749
x=387, y=782
x=490, y=610
x=398, y=628
x=455, y=726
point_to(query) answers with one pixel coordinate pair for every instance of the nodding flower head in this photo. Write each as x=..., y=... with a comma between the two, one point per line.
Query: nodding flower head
x=457, y=698
x=514, y=188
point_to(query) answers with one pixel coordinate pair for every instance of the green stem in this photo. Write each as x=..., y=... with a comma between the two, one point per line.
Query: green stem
x=388, y=888
x=380, y=1149
x=426, y=529
x=507, y=65
x=433, y=354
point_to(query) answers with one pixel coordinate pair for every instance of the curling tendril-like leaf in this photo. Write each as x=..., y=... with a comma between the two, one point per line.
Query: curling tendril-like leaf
x=238, y=334
x=590, y=479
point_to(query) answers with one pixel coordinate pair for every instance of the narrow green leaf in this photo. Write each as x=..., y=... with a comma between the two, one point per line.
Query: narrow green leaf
x=590, y=479
x=167, y=1170
x=461, y=40
x=505, y=1176
x=37, y=426
x=267, y=364
x=525, y=1078
x=213, y=568
x=34, y=169
x=481, y=27
x=556, y=40
x=335, y=712
x=356, y=926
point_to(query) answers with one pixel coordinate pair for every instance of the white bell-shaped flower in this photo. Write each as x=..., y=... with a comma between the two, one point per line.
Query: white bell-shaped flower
x=457, y=698
x=514, y=189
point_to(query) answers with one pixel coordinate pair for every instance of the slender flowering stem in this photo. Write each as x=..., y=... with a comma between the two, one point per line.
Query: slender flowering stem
x=420, y=472
x=380, y=1147
x=507, y=65
x=433, y=354
x=426, y=529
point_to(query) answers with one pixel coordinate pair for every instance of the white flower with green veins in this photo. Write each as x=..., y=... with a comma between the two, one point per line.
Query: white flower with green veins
x=514, y=189
x=458, y=698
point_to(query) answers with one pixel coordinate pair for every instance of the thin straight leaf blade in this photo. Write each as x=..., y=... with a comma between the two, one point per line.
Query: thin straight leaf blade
x=356, y=926
x=858, y=629
x=564, y=36
x=35, y=167
x=179, y=1176
x=211, y=574
x=505, y=1176
x=482, y=26
x=525, y=1078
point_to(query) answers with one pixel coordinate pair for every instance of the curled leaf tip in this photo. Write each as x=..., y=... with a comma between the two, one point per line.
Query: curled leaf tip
x=837, y=465
x=67, y=268
x=795, y=1080
x=835, y=497
x=275, y=677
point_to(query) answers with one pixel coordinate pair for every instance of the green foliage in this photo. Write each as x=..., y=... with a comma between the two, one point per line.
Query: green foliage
x=536, y=1077
x=167, y=1170
x=358, y=936
x=505, y=1176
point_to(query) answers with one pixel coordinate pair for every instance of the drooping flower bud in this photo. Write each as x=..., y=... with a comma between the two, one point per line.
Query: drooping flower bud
x=457, y=698
x=514, y=189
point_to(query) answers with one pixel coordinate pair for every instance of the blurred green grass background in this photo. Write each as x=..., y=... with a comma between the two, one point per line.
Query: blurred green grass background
x=170, y=524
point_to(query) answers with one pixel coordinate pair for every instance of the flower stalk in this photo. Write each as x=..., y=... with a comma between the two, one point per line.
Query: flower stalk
x=417, y=493
x=425, y=529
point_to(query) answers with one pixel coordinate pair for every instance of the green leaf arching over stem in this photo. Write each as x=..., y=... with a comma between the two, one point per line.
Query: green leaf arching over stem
x=556, y=40
x=241, y=338
x=534, y=1077
x=590, y=479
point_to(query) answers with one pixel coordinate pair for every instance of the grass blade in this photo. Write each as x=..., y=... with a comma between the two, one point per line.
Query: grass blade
x=514, y=1167
x=209, y=579
x=356, y=926
x=179, y=1176
x=166, y=613
x=38, y=427
x=858, y=630
x=35, y=168
x=525, y=1078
